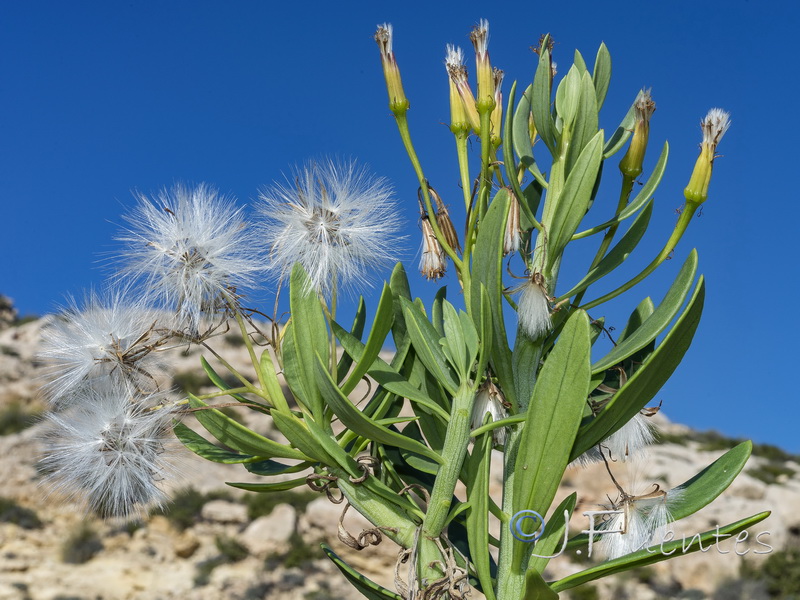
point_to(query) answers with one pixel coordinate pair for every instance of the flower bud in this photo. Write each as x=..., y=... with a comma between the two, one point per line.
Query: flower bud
x=468, y=110
x=497, y=114
x=454, y=64
x=631, y=163
x=398, y=103
x=480, y=40
x=714, y=127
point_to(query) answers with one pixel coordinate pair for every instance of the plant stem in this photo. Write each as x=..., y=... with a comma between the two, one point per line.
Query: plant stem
x=405, y=135
x=455, y=450
x=680, y=229
x=624, y=195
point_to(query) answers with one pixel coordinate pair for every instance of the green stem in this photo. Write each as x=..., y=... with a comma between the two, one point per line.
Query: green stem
x=463, y=168
x=624, y=195
x=249, y=386
x=405, y=135
x=250, y=350
x=680, y=229
x=510, y=583
x=455, y=450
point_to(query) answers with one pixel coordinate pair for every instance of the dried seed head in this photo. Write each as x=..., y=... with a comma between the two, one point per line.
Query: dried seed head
x=444, y=222
x=489, y=399
x=642, y=520
x=432, y=263
x=511, y=239
x=533, y=308
x=337, y=220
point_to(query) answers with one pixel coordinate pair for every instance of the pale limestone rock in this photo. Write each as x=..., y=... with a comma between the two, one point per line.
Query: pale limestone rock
x=271, y=532
x=185, y=545
x=222, y=511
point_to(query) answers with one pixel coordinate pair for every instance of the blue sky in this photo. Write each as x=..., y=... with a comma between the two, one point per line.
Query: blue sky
x=99, y=99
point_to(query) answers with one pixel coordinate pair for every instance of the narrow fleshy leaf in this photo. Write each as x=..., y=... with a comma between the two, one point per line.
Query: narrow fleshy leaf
x=357, y=330
x=477, y=521
x=487, y=271
x=602, y=74
x=310, y=336
x=553, y=417
x=425, y=340
x=646, y=382
x=205, y=449
x=355, y=420
x=659, y=553
x=658, y=321
x=381, y=325
x=238, y=437
x=368, y=588
x=618, y=254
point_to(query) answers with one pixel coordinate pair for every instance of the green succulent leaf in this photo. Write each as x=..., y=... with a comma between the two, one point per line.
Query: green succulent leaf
x=646, y=382
x=658, y=321
x=367, y=587
x=381, y=325
x=487, y=272
x=219, y=381
x=426, y=342
x=553, y=417
x=238, y=437
x=621, y=133
x=649, y=556
x=536, y=588
x=551, y=543
x=357, y=421
x=385, y=375
x=309, y=337
x=602, y=74
x=279, y=486
x=357, y=330
x=477, y=521
x=573, y=202
x=540, y=99
x=618, y=254
x=205, y=449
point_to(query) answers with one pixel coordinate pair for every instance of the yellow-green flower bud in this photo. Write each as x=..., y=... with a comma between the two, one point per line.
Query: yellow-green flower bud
x=480, y=40
x=631, y=163
x=497, y=114
x=398, y=103
x=714, y=127
x=458, y=79
x=454, y=63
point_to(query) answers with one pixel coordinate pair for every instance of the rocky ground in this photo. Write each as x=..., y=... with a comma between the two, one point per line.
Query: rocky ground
x=219, y=543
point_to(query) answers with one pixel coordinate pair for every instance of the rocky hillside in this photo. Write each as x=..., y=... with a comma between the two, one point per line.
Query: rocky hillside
x=215, y=542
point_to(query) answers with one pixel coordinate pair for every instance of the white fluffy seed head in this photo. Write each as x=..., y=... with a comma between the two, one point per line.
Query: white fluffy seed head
x=489, y=399
x=336, y=219
x=192, y=248
x=644, y=521
x=111, y=450
x=627, y=443
x=533, y=308
x=111, y=338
